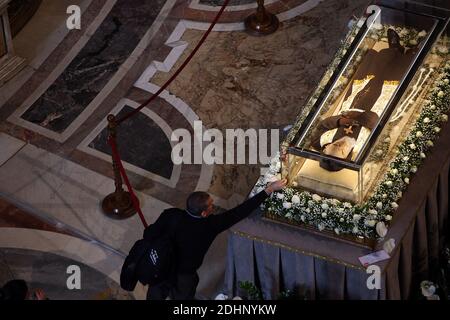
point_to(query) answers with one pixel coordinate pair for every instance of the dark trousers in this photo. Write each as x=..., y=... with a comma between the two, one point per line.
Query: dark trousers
x=179, y=287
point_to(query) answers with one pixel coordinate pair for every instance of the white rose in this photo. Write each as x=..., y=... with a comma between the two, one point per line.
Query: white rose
x=437, y=129
x=428, y=288
x=324, y=215
x=302, y=217
x=433, y=107
x=414, y=169
x=440, y=94
x=372, y=212
x=308, y=210
x=412, y=146
x=444, y=118
x=406, y=180
x=221, y=296
x=384, y=196
x=341, y=210
x=422, y=34
x=321, y=227
x=355, y=230
x=280, y=196
x=388, y=217
x=287, y=205
x=422, y=155
x=430, y=143
x=295, y=199
x=370, y=223
x=426, y=120
x=387, y=140
x=394, y=205
x=341, y=220
x=394, y=171
x=316, y=197
x=381, y=229
x=288, y=215
x=446, y=81
x=412, y=42
x=419, y=134
x=405, y=158
x=356, y=217
x=347, y=205
x=324, y=206
x=379, y=205
x=336, y=230
x=389, y=183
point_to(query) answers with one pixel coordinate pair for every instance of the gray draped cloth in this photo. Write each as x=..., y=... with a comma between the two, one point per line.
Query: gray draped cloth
x=278, y=257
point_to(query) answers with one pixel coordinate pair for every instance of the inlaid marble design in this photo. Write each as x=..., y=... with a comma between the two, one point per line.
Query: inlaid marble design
x=48, y=271
x=141, y=142
x=237, y=81
x=95, y=64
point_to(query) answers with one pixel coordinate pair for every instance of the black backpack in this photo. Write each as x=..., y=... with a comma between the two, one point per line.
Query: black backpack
x=150, y=261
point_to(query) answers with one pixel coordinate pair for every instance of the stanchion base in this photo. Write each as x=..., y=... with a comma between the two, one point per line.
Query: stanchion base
x=263, y=27
x=118, y=206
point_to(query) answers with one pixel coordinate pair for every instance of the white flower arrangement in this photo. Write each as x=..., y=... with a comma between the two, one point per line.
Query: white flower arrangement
x=363, y=220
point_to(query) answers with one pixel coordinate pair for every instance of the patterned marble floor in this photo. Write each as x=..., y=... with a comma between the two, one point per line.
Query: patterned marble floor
x=56, y=163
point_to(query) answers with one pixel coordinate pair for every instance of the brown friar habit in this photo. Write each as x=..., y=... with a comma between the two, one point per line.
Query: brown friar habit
x=389, y=64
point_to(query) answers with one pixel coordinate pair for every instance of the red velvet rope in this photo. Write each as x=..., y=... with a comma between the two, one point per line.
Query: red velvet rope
x=134, y=199
x=111, y=140
x=185, y=63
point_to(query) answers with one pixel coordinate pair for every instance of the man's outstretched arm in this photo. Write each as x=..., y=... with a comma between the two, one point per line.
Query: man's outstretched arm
x=227, y=219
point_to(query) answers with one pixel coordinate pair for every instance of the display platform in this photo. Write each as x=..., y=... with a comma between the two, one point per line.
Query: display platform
x=367, y=163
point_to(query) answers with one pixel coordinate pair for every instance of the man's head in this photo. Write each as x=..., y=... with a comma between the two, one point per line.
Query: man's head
x=200, y=204
x=340, y=148
x=15, y=290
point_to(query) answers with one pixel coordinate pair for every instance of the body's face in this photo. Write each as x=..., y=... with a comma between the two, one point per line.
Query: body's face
x=209, y=209
x=340, y=148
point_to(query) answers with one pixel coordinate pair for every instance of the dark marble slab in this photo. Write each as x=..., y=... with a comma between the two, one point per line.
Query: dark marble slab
x=95, y=64
x=231, y=3
x=48, y=271
x=141, y=143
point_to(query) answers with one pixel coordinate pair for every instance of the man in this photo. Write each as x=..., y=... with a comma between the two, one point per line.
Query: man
x=193, y=230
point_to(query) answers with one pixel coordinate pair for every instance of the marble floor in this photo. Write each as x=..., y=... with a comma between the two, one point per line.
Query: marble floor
x=55, y=165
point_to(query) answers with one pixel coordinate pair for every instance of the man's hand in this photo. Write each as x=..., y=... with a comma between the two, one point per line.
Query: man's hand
x=275, y=186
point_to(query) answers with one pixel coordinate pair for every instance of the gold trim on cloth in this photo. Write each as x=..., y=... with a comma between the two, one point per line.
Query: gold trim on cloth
x=392, y=83
x=283, y=246
x=365, y=80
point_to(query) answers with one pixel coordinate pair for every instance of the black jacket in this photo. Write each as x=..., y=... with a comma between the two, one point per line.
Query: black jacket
x=193, y=235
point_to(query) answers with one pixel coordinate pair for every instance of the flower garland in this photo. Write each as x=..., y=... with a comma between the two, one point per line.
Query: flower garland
x=370, y=219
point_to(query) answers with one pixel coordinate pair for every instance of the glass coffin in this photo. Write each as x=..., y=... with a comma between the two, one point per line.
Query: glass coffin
x=365, y=104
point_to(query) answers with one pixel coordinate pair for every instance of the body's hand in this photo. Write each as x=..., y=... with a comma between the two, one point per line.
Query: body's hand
x=275, y=186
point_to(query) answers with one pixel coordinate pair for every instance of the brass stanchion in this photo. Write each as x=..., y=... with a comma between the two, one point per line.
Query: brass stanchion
x=117, y=205
x=262, y=22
